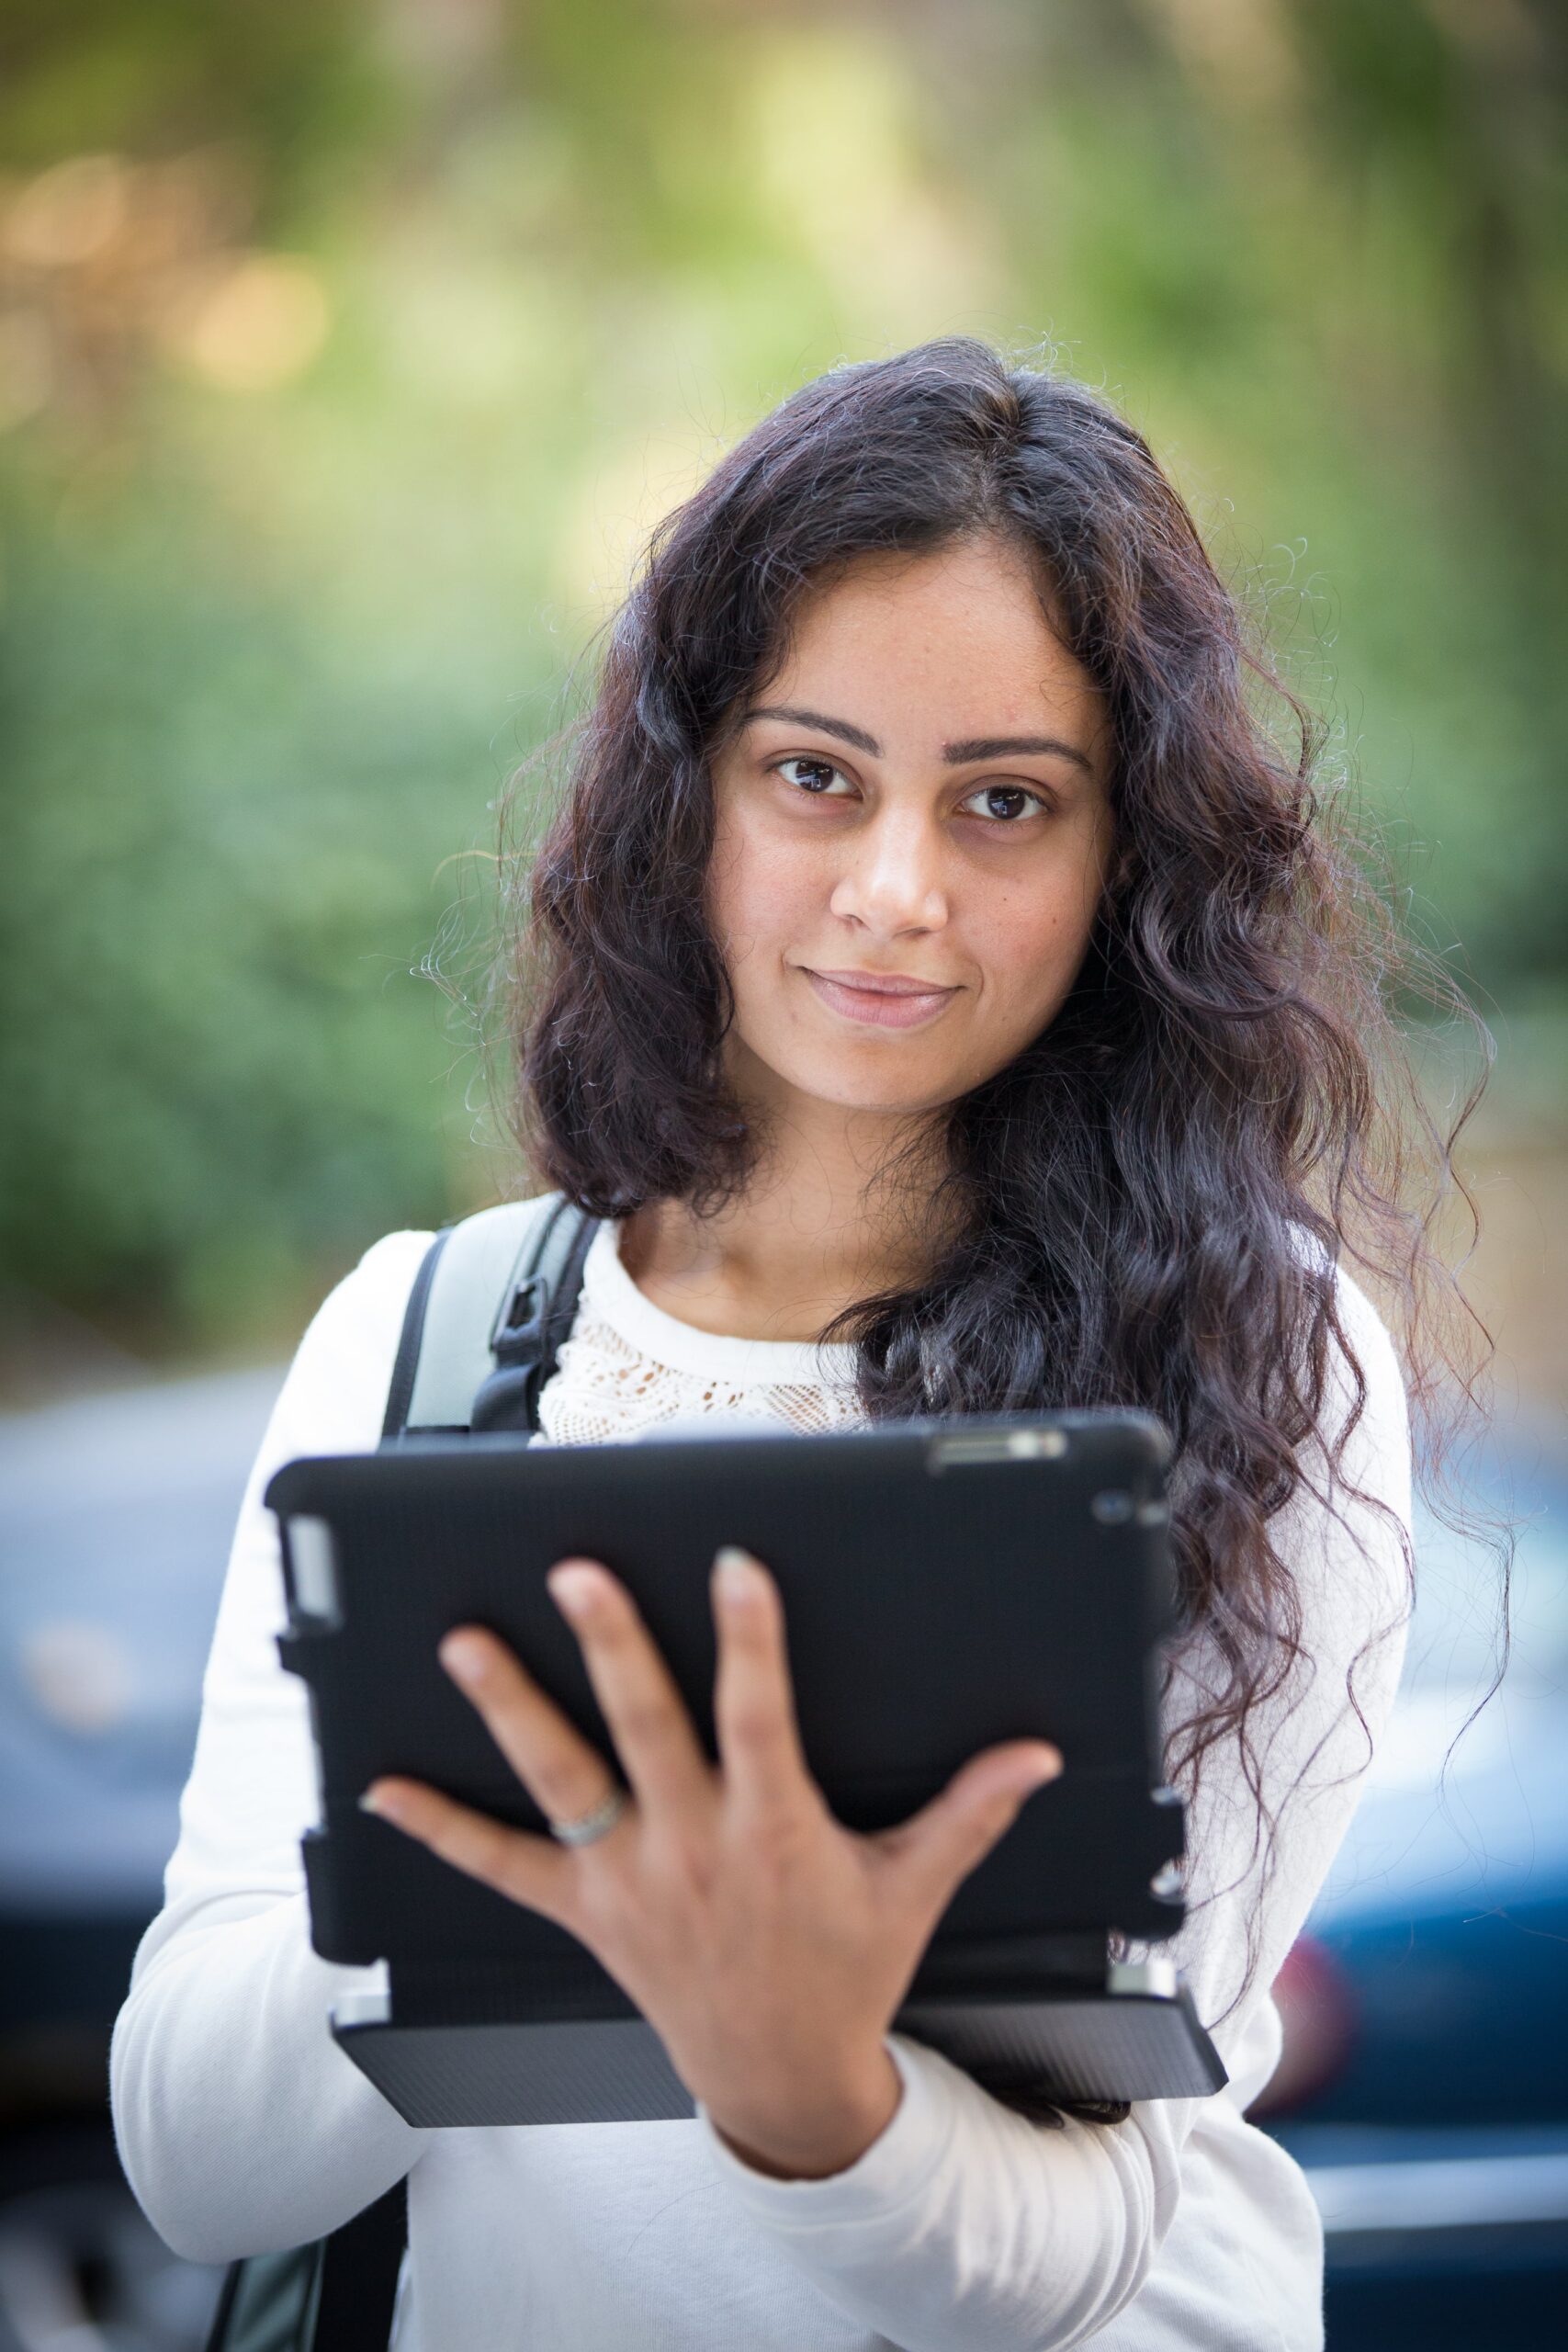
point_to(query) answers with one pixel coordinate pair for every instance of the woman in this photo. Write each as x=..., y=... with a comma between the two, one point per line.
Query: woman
x=944, y=986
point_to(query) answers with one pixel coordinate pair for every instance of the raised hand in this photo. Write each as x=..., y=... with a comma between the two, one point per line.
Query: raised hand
x=769, y=1946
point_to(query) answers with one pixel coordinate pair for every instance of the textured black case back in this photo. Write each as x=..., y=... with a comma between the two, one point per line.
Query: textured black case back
x=945, y=1584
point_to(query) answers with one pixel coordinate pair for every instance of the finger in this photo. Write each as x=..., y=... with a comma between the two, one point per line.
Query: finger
x=759, y=1741
x=563, y=1773
x=526, y=1869
x=641, y=1703
x=937, y=1848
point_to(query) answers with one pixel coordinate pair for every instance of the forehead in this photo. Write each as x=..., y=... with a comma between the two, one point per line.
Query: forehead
x=963, y=629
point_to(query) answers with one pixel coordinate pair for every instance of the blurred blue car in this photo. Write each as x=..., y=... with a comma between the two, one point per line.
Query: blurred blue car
x=1425, y=2081
x=116, y=1517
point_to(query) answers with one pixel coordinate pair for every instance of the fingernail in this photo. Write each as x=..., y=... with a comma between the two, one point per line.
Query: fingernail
x=386, y=1807
x=1047, y=1767
x=737, y=1573
x=571, y=1589
x=462, y=1656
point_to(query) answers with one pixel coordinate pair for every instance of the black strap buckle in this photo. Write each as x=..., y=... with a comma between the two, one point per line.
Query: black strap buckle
x=520, y=1326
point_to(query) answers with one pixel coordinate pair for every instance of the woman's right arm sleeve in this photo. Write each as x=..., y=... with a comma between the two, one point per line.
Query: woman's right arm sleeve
x=241, y=2126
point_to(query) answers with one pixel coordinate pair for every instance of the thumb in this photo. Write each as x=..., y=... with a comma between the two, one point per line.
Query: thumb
x=937, y=1848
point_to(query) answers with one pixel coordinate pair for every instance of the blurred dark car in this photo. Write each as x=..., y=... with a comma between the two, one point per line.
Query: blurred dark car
x=116, y=1517
x=1424, y=2083
x=1424, y=2080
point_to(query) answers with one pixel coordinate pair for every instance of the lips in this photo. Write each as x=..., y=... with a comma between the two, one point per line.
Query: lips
x=879, y=1000
x=884, y=983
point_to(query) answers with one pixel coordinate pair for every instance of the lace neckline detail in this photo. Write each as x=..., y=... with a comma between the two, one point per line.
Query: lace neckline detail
x=607, y=1286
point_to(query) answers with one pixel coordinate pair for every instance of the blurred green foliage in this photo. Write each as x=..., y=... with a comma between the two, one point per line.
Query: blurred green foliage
x=347, y=350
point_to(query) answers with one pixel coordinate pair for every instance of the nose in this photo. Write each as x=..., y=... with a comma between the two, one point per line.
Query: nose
x=891, y=883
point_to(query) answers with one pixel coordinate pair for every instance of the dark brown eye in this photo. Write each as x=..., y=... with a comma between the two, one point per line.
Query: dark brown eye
x=1007, y=802
x=812, y=775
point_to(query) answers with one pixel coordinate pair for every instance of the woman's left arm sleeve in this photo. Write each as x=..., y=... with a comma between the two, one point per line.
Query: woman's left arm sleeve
x=964, y=2228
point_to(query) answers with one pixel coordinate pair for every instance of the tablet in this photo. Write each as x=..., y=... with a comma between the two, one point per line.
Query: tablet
x=946, y=1584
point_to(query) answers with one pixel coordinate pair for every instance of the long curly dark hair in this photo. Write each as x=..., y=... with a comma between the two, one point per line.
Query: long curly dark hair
x=1228, y=1072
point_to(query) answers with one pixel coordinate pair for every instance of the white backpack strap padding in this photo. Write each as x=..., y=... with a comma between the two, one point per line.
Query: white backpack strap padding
x=472, y=1278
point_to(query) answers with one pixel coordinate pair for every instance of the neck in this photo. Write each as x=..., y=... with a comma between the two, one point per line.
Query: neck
x=819, y=1227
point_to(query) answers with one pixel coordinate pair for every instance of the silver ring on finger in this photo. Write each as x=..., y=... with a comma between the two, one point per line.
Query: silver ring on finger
x=589, y=1827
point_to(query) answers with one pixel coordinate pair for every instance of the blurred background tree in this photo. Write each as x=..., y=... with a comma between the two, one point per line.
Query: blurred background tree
x=348, y=347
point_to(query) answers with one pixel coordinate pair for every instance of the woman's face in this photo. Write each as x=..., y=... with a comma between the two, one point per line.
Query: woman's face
x=913, y=826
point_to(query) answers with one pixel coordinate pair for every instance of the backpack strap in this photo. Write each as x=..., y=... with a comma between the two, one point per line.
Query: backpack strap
x=535, y=1315
x=494, y=1296
x=491, y=1302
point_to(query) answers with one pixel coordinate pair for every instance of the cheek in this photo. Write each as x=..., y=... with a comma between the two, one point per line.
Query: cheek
x=1034, y=946
x=1031, y=939
x=758, y=892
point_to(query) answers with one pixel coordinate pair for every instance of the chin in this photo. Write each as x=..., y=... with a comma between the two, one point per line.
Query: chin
x=884, y=1101
x=832, y=1077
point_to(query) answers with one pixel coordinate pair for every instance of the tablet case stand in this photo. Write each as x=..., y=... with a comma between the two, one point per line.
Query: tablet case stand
x=1107, y=2031
x=439, y=2043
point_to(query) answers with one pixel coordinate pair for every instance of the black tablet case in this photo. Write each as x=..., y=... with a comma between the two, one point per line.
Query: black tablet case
x=946, y=1584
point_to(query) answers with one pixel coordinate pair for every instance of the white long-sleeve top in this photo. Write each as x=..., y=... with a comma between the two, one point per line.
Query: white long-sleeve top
x=242, y=2128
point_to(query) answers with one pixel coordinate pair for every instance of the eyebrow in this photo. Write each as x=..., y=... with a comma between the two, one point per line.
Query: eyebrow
x=961, y=754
